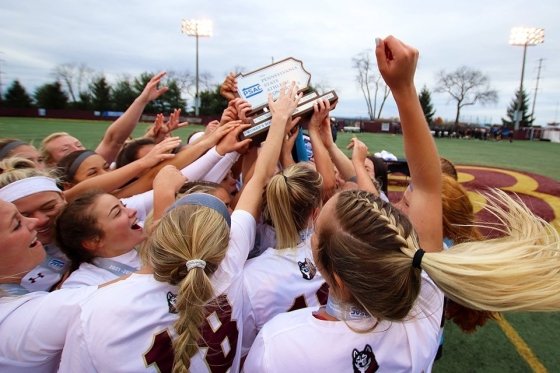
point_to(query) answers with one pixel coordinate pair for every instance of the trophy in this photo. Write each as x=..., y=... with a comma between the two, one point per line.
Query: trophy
x=255, y=86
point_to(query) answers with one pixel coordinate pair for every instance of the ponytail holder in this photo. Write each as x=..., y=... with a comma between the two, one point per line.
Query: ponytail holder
x=417, y=258
x=195, y=263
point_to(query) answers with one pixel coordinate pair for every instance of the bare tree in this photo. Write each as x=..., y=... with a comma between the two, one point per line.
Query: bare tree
x=367, y=81
x=73, y=77
x=386, y=93
x=466, y=86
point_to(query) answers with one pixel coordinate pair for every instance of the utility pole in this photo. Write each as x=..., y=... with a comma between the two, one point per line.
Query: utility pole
x=536, y=88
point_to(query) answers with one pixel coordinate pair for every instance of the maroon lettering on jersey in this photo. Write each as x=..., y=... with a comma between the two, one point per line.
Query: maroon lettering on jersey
x=161, y=353
x=322, y=295
x=219, y=335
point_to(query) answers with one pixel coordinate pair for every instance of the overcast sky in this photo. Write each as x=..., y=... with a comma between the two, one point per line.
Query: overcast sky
x=133, y=36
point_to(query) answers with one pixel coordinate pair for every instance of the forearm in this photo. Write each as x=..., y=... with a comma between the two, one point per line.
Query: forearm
x=342, y=162
x=181, y=160
x=200, y=167
x=364, y=181
x=324, y=164
x=221, y=169
x=109, y=181
x=419, y=145
x=120, y=130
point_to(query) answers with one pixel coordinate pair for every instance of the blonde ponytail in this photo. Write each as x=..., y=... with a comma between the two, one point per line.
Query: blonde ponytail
x=291, y=198
x=186, y=233
x=517, y=272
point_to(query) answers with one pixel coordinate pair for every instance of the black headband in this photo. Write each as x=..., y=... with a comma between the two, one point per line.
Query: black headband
x=77, y=163
x=11, y=146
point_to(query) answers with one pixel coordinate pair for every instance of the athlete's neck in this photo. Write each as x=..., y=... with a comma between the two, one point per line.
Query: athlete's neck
x=145, y=270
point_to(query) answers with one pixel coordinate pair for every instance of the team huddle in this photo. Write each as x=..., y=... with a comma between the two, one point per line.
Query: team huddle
x=224, y=255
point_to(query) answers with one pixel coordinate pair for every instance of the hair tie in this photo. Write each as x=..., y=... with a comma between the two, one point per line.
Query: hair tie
x=417, y=258
x=195, y=263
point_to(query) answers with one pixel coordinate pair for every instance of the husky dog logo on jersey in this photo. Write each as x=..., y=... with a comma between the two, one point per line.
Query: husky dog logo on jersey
x=364, y=361
x=171, y=302
x=307, y=269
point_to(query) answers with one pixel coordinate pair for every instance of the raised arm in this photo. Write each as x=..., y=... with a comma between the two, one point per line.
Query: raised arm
x=120, y=130
x=111, y=181
x=185, y=157
x=359, y=154
x=397, y=64
x=341, y=161
x=282, y=110
x=323, y=162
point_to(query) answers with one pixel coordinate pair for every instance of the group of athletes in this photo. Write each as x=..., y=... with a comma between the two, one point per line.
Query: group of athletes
x=226, y=256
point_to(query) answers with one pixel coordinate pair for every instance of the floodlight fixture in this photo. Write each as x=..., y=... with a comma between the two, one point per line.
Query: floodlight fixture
x=525, y=37
x=197, y=28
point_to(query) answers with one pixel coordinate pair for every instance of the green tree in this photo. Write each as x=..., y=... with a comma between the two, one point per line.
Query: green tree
x=17, y=97
x=172, y=98
x=526, y=119
x=212, y=102
x=426, y=102
x=51, y=96
x=84, y=101
x=123, y=95
x=101, y=94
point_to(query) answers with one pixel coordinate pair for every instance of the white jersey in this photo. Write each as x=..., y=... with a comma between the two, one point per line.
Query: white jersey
x=99, y=273
x=33, y=328
x=142, y=203
x=297, y=341
x=46, y=275
x=279, y=280
x=128, y=325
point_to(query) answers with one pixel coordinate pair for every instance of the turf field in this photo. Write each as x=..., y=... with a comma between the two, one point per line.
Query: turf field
x=521, y=342
x=534, y=156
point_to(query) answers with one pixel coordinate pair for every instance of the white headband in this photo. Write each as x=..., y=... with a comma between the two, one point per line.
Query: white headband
x=28, y=186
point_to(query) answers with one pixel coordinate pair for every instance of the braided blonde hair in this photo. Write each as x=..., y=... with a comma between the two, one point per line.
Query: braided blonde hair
x=185, y=233
x=363, y=248
x=369, y=245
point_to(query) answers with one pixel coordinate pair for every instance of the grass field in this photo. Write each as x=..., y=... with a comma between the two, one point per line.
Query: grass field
x=533, y=344
x=533, y=156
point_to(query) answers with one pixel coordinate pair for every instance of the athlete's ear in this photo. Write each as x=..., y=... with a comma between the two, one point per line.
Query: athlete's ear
x=92, y=245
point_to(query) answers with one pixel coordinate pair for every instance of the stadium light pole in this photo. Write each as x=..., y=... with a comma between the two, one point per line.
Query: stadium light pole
x=196, y=28
x=524, y=36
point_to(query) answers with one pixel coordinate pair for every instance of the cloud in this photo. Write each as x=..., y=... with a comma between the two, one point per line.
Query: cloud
x=134, y=36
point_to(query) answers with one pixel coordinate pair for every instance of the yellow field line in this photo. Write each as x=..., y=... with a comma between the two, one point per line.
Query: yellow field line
x=521, y=346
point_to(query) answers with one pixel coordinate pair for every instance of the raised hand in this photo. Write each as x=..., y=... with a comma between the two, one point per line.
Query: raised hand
x=243, y=108
x=321, y=109
x=396, y=62
x=286, y=103
x=161, y=151
x=359, y=151
x=151, y=90
x=230, y=142
x=228, y=89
